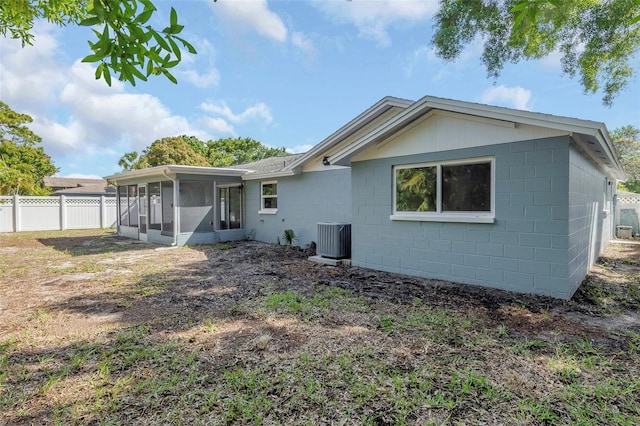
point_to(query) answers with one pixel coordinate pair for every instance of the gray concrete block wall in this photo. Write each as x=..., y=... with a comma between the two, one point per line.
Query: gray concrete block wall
x=303, y=201
x=587, y=200
x=525, y=249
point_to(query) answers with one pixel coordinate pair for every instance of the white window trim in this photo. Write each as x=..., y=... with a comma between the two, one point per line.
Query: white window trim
x=438, y=215
x=262, y=197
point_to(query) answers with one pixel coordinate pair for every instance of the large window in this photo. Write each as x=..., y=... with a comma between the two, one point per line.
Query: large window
x=452, y=191
x=268, y=197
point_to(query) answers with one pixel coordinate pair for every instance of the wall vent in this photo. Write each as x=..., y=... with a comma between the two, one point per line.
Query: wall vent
x=334, y=240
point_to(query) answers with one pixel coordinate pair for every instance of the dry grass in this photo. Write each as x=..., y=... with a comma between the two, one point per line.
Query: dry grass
x=97, y=330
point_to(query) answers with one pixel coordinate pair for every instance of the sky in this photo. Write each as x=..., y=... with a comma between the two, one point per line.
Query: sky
x=286, y=73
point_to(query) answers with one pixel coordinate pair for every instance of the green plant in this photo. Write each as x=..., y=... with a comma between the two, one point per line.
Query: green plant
x=289, y=237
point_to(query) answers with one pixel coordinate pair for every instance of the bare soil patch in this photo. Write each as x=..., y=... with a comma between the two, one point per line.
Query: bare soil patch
x=95, y=328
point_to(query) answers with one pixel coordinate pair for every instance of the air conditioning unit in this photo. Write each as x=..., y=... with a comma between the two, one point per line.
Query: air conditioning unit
x=334, y=240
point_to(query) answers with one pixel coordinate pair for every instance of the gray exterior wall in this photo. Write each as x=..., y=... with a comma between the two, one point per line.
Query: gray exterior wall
x=525, y=250
x=303, y=201
x=590, y=220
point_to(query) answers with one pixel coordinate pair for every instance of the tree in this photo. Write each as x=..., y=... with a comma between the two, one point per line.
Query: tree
x=626, y=142
x=597, y=39
x=230, y=151
x=164, y=151
x=22, y=163
x=124, y=44
x=189, y=150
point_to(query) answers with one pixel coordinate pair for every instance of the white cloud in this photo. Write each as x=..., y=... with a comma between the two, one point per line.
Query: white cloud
x=30, y=75
x=258, y=111
x=299, y=149
x=190, y=65
x=218, y=126
x=372, y=18
x=299, y=40
x=205, y=80
x=254, y=15
x=515, y=97
x=75, y=114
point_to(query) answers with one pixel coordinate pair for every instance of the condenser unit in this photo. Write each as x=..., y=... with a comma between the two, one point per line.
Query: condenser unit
x=334, y=240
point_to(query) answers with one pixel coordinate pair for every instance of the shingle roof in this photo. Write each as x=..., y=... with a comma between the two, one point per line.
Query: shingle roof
x=97, y=189
x=268, y=165
x=61, y=182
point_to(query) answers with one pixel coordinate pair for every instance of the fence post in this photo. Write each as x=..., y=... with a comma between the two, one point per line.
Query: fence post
x=16, y=213
x=63, y=213
x=103, y=212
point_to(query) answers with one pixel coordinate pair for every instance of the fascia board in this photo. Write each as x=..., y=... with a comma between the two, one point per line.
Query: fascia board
x=352, y=126
x=272, y=175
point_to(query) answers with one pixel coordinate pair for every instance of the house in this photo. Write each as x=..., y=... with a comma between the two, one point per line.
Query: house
x=434, y=188
x=80, y=187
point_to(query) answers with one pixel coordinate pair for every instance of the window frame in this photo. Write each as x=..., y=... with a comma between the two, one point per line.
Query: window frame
x=263, y=209
x=446, y=216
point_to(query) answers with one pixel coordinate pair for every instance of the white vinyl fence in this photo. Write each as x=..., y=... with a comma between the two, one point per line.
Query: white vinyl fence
x=21, y=213
x=628, y=212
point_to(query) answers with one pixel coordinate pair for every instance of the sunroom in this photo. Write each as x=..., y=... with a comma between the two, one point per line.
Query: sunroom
x=178, y=205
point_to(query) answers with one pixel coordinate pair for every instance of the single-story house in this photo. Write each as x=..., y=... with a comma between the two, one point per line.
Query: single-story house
x=78, y=186
x=434, y=188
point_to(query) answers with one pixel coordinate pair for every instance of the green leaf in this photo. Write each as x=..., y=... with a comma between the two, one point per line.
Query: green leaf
x=169, y=76
x=173, y=19
x=518, y=7
x=175, y=48
x=144, y=17
x=99, y=71
x=138, y=74
x=93, y=58
x=161, y=41
x=107, y=75
x=174, y=29
x=89, y=22
x=187, y=45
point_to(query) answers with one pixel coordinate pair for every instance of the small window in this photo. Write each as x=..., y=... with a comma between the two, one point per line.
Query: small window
x=269, y=197
x=455, y=191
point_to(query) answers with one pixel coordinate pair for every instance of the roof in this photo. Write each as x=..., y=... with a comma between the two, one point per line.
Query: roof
x=271, y=166
x=172, y=170
x=62, y=182
x=96, y=189
x=592, y=136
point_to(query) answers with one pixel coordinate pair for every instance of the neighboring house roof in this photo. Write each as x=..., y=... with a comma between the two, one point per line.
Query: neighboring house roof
x=272, y=166
x=61, y=182
x=102, y=188
x=592, y=137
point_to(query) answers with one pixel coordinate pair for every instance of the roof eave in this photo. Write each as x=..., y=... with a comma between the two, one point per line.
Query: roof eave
x=175, y=170
x=269, y=175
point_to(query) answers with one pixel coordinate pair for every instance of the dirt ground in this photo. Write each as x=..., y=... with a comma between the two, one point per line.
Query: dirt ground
x=58, y=287
x=193, y=283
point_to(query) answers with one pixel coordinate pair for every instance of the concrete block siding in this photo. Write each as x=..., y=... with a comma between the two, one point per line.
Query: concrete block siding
x=303, y=201
x=525, y=249
x=590, y=195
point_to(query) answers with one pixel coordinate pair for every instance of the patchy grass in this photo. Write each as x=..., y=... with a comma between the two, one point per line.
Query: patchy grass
x=107, y=332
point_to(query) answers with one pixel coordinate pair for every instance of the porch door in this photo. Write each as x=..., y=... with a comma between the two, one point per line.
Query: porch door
x=230, y=207
x=143, y=204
